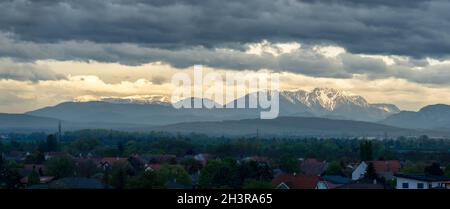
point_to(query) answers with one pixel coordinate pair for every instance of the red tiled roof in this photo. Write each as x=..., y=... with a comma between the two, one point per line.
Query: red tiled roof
x=386, y=166
x=154, y=167
x=296, y=181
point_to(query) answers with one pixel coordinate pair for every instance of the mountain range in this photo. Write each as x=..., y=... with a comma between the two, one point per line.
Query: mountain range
x=157, y=113
x=435, y=117
x=320, y=102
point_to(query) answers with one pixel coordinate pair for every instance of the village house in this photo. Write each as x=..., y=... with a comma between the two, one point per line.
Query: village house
x=158, y=158
x=421, y=181
x=386, y=168
x=334, y=181
x=383, y=168
x=359, y=171
x=203, y=158
x=298, y=181
x=107, y=162
x=152, y=167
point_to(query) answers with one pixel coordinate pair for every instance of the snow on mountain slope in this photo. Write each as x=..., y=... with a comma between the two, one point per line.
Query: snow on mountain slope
x=320, y=102
x=138, y=99
x=328, y=102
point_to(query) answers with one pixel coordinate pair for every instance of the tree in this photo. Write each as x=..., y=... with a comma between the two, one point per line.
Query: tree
x=255, y=184
x=434, y=169
x=218, y=174
x=174, y=172
x=413, y=169
x=9, y=176
x=145, y=180
x=119, y=175
x=33, y=178
x=447, y=171
x=254, y=170
x=288, y=164
x=118, y=179
x=60, y=167
x=191, y=165
x=2, y=161
x=121, y=148
x=334, y=168
x=371, y=172
x=136, y=164
x=51, y=143
x=83, y=146
x=86, y=168
x=36, y=157
x=366, y=150
x=106, y=177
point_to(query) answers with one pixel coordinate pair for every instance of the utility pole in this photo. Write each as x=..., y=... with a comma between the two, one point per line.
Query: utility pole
x=257, y=133
x=59, y=131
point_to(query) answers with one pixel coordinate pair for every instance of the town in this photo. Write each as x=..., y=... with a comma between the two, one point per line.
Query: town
x=106, y=159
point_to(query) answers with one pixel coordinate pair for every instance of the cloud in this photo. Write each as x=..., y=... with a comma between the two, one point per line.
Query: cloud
x=312, y=60
x=26, y=71
x=407, y=27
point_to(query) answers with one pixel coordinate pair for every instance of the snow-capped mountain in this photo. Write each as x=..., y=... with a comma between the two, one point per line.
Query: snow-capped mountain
x=157, y=109
x=324, y=99
x=333, y=103
x=139, y=99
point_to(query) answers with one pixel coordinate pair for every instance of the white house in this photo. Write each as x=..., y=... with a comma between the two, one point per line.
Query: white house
x=359, y=171
x=420, y=181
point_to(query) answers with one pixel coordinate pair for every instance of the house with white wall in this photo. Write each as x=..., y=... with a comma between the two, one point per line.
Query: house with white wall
x=359, y=171
x=420, y=181
x=383, y=168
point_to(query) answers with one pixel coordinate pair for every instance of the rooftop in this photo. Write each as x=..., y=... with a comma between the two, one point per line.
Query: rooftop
x=296, y=181
x=423, y=177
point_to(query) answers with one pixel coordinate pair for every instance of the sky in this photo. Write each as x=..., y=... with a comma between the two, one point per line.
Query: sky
x=386, y=51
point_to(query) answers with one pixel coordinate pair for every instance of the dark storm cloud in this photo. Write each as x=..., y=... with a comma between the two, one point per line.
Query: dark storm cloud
x=406, y=27
x=304, y=61
x=372, y=3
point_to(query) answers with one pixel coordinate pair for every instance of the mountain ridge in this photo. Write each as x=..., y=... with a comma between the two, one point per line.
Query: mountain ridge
x=294, y=126
x=436, y=116
x=320, y=102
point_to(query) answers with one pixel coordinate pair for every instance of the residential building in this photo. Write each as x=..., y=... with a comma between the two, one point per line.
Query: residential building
x=359, y=171
x=383, y=168
x=421, y=181
x=297, y=181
